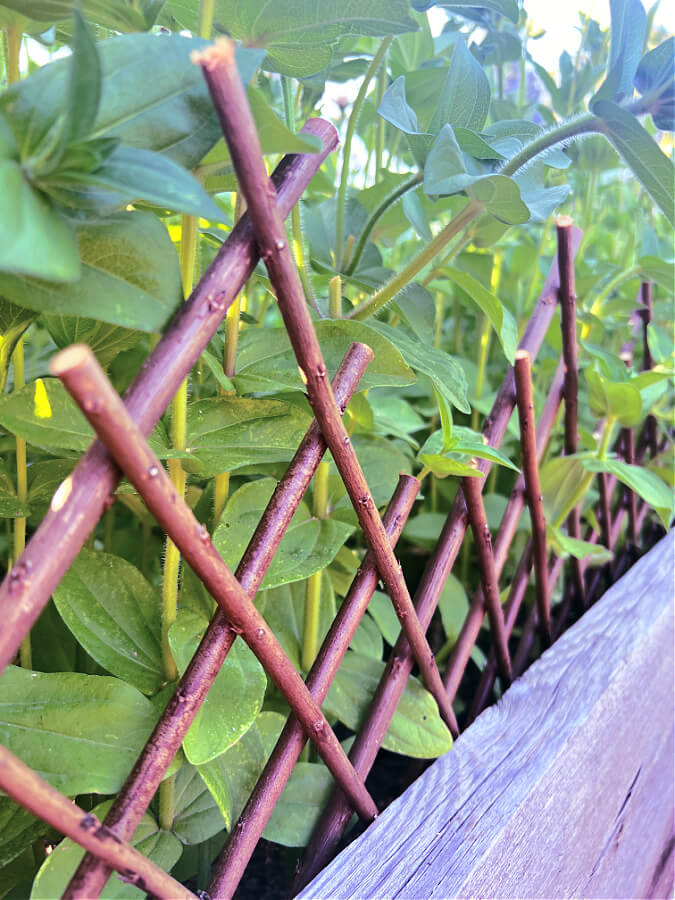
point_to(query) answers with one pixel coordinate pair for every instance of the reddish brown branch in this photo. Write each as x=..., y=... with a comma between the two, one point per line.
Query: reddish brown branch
x=483, y=543
x=240, y=133
x=399, y=666
x=568, y=324
x=525, y=397
x=87, y=492
x=255, y=816
x=85, y=380
x=22, y=784
x=167, y=736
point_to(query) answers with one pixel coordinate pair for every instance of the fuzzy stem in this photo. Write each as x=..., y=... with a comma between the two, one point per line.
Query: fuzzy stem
x=335, y=297
x=379, y=127
x=346, y=153
x=310, y=638
x=417, y=263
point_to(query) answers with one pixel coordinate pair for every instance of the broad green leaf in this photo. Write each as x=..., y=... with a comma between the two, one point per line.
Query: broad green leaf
x=445, y=171
x=453, y=605
x=465, y=99
x=115, y=614
x=659, y=270
x=308, y=545
x=44, y=414
x=654, y=77
x=645, y=483
x=84, y=88
x=172, y=114
x=469, y=442
x=225, y=433
x=395, y=109
x=105, y=340
x=445, y=372
x=215, y=367
x=628, y=23
x=284, y=611
x=300, y=806
x=14, y=320
x=161, y=847
x=564, y=482
x=423, y=530
x=499, y=316
x=81, y=733
x=232, y=776
x=381, y=461
x=414, y=213
x=9, y=502
x=417, y=307
x=234, y=699
x=381, y=609
x=416, y=728
x=621, y=400
x=18, y=829
x=40, y=242
x=120, y=15
x=301, y=39
x=539, y=199
x=196, y=814
x=564, y=545
x=443, y=465
x=266, y=362
x=501, y=196
x=507, y=8
x=130, y=174
x=130, y=276
x=641, y=153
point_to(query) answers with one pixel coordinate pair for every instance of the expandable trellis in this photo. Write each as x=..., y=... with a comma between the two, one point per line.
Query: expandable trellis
x=123, y=428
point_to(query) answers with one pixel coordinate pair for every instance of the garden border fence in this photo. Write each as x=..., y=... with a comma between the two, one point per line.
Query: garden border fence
x=121, y=447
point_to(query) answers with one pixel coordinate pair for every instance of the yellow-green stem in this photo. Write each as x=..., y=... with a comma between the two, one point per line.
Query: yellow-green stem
x=167, y=803
x=483, y=350
x=335, y=297
x=310, y=637
x=379, y=126
x=206, y=11
x=606, y=437
x=388, y=291
x=14, y=38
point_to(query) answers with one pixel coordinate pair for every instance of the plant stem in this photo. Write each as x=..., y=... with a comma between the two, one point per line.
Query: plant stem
x=379, y=126
x=335, y=297
x=417, y=263
x=377, y=213
x=486, y=333
x=347, y=150
x=310, y=637
x=206, y=11
x=586, y=123
x=14, y=38
x=606, y=437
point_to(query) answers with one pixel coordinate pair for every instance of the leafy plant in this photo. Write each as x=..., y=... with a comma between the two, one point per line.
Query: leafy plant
x=118, y=191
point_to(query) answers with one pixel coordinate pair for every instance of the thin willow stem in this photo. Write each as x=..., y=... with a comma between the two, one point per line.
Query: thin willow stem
x=347, y=150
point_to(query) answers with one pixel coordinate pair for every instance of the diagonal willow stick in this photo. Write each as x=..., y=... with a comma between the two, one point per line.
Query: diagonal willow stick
x=45, y=802
x=88, y=384
x=568, y=325
x=87, y=492
x=483, y=541
x=393, y=681
x=468, y=635
x=254, y=818
x=228, y=97
x=525, y=400
x=167, y=736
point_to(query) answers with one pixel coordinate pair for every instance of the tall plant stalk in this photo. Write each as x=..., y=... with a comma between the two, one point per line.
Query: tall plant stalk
x=310, y=637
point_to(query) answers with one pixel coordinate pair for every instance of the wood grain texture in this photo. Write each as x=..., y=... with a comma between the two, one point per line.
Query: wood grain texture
x=564, y=789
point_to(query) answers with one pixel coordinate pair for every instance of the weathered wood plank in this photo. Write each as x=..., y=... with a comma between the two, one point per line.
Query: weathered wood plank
x=564, y=789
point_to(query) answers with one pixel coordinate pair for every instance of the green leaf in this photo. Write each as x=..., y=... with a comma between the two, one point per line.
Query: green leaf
x=442, y=466
x=453, y=605
x=628, y=24
x=445, y=171
x=564, y=545
x=234, y=699
x=471, y=443
x=564, y=483
x=106, y=341
x=382, y=462
x=120, y=15
x=226, y=433
x=645, y=483
x=308, y=545
x=445, y=372
x=266, y=362
x=128, y=175
x=161, y=847
x=81, y=733
x=45, y=415
x=620, y=400
x=384, y=614
x=507, y=8
x=300, y=806
x=499, y=316
x=232, y=776
x=115, y=614
x=284, y=611
x=196, y=814
x=301, y=39
x=659, y=270
x=416, y=728
x=500, y=196
x=641, y=153
x=654, y=78
x=445, y=412
x=40, y=243
x=465, y=99
x=18, y=829
x=13, y=323
x=9, y=502
x=84, y=88
x=130, y=276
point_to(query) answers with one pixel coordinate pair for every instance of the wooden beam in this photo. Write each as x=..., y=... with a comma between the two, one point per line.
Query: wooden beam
x=564, y=789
